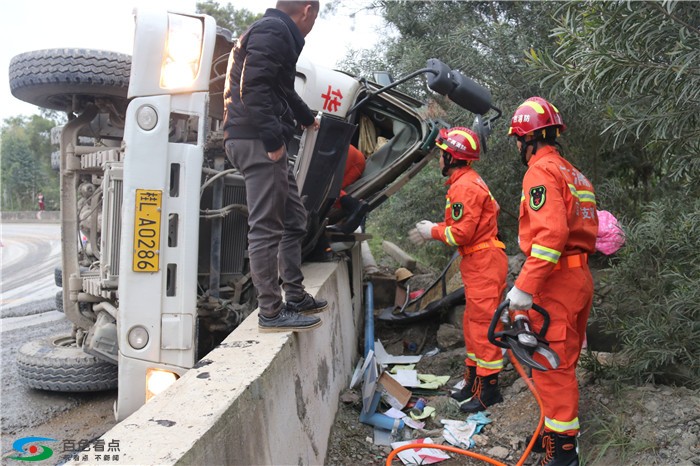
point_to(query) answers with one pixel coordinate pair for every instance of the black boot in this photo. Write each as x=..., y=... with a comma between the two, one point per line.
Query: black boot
x=485, y=394
x=560, y=450
x=537, y=447
x=468, y=390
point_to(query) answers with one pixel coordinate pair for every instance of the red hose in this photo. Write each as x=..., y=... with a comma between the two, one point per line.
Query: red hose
x=528, y=449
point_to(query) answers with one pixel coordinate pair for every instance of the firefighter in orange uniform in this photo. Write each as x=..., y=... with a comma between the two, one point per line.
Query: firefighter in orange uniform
x=471, y=225
x=557, y=230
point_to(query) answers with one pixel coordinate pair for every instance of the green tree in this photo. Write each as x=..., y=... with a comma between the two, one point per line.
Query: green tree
x=486, y=41
x=640, y=63
x=625, y=76
x=234, y=19
x=25, y=164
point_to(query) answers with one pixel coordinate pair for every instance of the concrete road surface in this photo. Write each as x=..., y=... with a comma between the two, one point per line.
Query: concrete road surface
x=29, y=253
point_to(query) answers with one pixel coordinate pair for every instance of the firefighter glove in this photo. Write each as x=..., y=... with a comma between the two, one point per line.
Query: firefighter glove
x=519, y=299
x=425, y=227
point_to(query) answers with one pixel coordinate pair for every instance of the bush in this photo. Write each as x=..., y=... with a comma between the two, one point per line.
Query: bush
x=654, y=297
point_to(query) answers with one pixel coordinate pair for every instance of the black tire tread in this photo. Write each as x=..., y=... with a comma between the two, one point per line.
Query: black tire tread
x=45, y=366
x=49, y=78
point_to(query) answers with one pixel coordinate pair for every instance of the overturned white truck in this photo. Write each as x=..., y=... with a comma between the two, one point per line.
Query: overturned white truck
x=154, y=263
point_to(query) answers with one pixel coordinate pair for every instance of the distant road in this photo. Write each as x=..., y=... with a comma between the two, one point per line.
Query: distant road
x=29, y=252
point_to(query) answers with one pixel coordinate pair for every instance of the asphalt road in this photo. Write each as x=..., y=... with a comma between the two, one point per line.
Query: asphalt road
x=28, y=255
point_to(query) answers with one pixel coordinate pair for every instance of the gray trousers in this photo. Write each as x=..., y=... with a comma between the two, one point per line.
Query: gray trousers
x=276, y=221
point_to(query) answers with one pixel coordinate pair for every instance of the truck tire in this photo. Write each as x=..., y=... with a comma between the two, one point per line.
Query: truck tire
x=60, y=79
x=58, y=276
x=59, y=301
x=56, y=364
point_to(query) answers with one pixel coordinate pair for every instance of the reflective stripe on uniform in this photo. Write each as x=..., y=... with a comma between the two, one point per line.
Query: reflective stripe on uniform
x=448, y=204
x=449, y=238
x=586, y=196
x=498, y=364
x=545, y=253
x=561, y=426
x=582, y=196
x=522, y=196
x=472, y=356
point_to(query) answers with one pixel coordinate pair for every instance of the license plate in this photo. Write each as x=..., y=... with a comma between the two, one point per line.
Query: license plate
x=147, y=230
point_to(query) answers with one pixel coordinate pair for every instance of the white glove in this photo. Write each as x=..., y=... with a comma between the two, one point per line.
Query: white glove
x=519, y=300
x=424, y=227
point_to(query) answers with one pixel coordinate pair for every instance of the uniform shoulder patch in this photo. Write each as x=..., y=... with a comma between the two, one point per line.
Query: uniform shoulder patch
x=538, y=195
x=457, y=211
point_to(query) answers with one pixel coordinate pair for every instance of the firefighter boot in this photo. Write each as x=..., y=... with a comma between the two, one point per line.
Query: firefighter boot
x=537, y=447
x=485, y=394
x=466, y=392
x=560, y=450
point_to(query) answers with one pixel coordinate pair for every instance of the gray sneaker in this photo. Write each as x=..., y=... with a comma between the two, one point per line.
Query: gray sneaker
x=307, y=305
x=287, y=321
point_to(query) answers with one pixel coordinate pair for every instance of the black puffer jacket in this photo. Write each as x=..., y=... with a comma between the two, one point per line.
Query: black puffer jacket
x=259, y=97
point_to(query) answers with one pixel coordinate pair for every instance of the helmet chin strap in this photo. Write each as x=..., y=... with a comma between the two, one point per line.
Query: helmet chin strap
x=523, y=149
x=446, y=162
x=449, y=162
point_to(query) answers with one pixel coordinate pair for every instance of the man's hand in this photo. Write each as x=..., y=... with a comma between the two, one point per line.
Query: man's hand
x=276, y=155
x=519, y=300
x=425, y=227
x=314, y=126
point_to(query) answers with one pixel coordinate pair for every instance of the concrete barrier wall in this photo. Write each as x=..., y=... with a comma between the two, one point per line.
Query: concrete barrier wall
x=263, y=399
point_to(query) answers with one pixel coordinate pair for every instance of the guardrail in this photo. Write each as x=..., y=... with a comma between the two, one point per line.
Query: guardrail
x=258, y=398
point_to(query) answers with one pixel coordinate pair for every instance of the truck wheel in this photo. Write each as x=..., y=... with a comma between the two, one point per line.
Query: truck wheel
x=58, y=276
x=57, y=364
x=61, y=79
x=59, y=301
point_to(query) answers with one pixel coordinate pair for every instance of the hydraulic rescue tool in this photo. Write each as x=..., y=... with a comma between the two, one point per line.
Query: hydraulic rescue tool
x=521, y=339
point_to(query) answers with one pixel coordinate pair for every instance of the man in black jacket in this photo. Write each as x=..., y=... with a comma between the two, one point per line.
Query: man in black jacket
x=261, y=112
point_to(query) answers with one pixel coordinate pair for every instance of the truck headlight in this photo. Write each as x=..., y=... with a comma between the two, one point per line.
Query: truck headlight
x=157, y=380
x=183, y=51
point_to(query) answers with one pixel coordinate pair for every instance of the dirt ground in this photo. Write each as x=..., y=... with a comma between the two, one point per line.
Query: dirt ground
x=621, y=425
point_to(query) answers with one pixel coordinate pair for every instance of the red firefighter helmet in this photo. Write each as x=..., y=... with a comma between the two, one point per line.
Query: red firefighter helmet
x=535, y=114
x=461, y=143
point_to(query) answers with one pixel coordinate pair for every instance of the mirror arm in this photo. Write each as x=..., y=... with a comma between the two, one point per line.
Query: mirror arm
x=498, y=114
x=390, y=86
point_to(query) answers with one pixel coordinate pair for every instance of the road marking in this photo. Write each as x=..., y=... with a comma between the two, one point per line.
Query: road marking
x=13, y=323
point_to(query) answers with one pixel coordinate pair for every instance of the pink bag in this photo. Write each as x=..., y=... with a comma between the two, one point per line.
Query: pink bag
x=610, y=236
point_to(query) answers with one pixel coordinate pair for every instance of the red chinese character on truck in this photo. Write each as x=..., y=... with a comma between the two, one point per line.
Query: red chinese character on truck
x=331, y=99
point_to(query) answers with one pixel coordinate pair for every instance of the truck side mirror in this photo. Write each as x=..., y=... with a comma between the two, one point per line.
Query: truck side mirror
x=461, y=90
x=383, y=78
x=439, y=77
x=470, y=95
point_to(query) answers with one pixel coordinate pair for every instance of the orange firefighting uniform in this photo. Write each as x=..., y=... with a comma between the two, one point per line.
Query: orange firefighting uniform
x=557, y=231
x=354, y=167
x=471, y=215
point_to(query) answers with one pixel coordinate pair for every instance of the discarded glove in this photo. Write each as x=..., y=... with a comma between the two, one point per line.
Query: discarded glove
x=519, y=299
x=460, y=433
x=432, y=382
